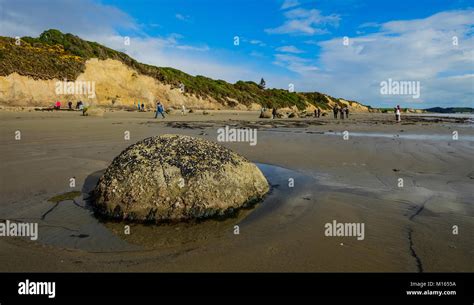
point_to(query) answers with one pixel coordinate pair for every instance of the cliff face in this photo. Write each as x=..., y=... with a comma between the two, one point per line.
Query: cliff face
x=38, y=71
x=115, y=84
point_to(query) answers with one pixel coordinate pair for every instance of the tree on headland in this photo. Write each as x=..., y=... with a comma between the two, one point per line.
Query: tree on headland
x=262, y=84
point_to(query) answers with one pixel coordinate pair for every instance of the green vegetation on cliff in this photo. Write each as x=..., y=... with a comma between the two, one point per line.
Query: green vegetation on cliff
x=63, y=56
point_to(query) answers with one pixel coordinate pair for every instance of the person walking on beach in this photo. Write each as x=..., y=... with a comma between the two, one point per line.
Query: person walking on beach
x=69, y=104
x=397, y=113
x=159, y=110
x=335, y=111
x=138, y=106
x=183, y=109
x=346, y=109
x=319, y=113
x=274, y=113
x=83, y=107
x=143, y=107
x=341, y=112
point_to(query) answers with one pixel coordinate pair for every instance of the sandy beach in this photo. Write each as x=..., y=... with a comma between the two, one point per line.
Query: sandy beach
x=408, y=228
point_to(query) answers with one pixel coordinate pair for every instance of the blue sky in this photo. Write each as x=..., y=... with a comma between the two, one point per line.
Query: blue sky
x=285, y=41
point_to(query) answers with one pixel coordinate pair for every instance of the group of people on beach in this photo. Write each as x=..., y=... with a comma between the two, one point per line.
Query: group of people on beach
x=317, y=113
x=79, y=105
x=140, y=107
x=342, y=111
x=160, y=110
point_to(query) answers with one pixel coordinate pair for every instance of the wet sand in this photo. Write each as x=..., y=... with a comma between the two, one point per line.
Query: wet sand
x=407, y=228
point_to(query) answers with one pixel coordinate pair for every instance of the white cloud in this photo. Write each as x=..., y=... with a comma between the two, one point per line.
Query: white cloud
x=311, y=42
x=369, y=25
x=257, y=42
x=20, y=17
x=419, y=50
x=257, y=54
x=182, y=17
x=305, y=22
x=289, y=3
x=294, y=63
x=289, y=49
x=100, y=23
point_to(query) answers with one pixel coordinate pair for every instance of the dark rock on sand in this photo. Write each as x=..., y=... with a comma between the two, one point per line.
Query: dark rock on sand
x=175, y=177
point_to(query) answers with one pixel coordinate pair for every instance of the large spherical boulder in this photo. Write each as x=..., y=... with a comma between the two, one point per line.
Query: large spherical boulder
x=175, y=177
